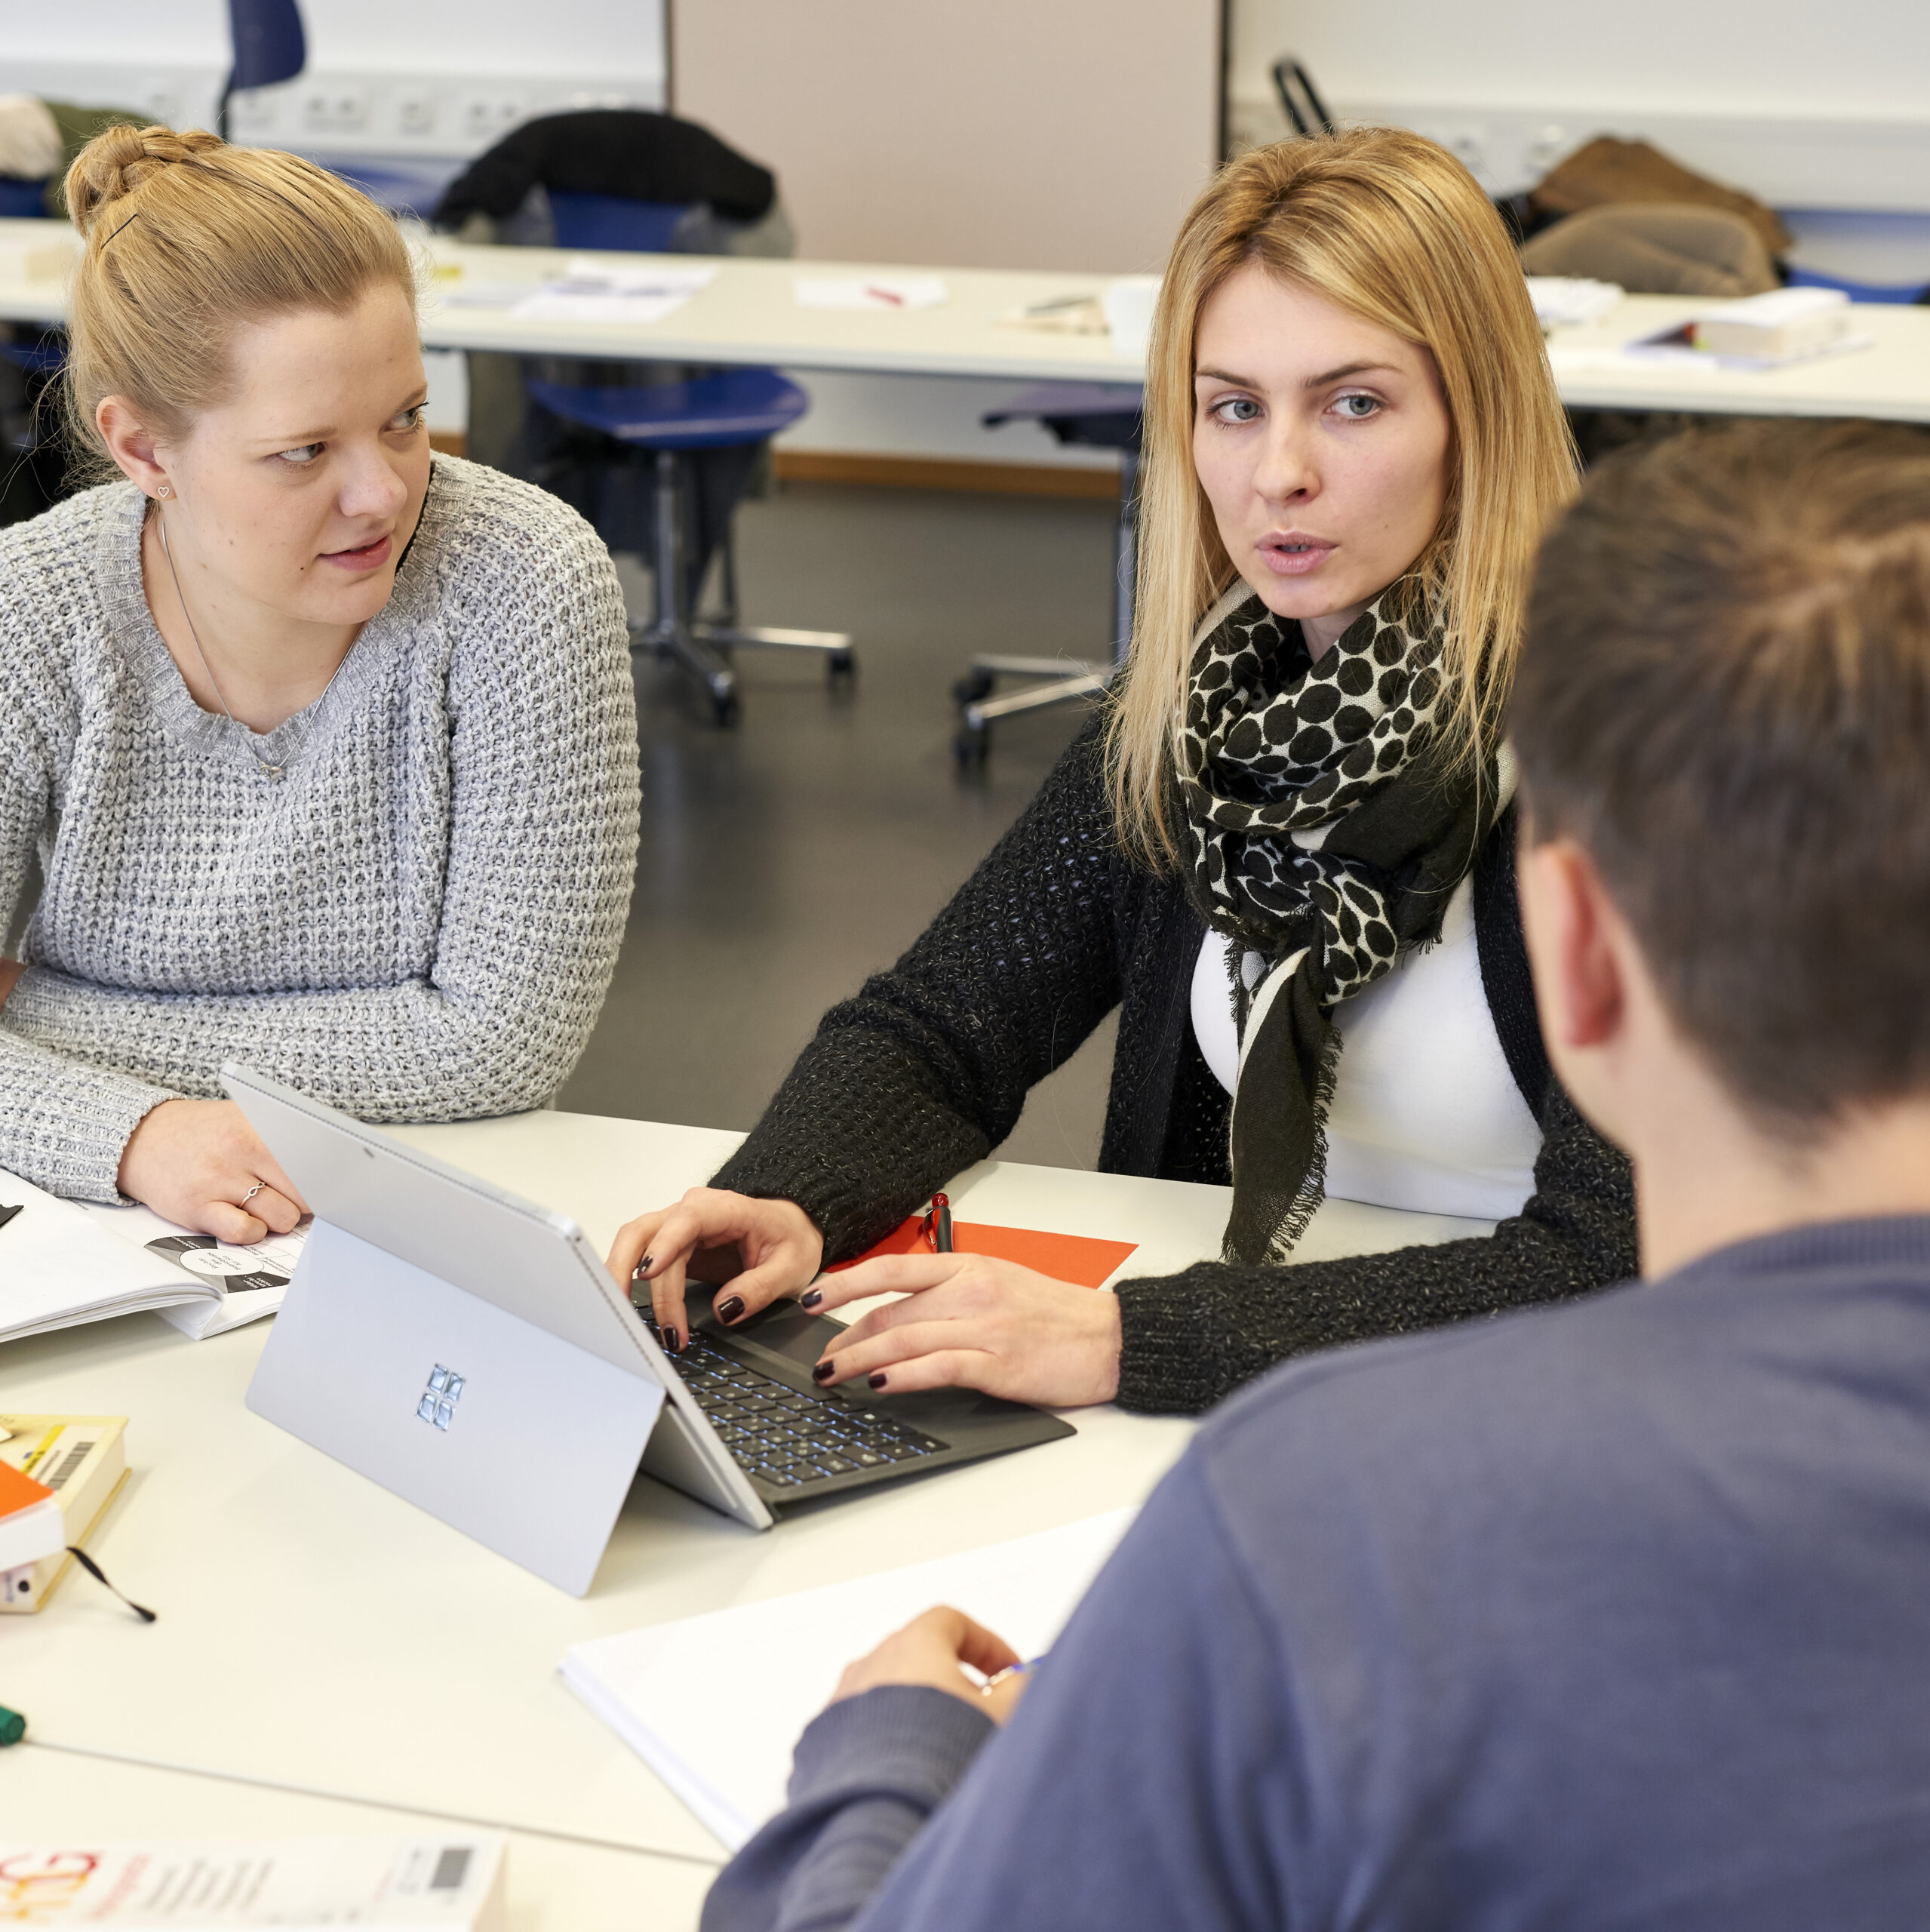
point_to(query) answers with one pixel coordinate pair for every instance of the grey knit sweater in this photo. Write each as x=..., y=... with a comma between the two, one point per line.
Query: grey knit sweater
x=419, y=922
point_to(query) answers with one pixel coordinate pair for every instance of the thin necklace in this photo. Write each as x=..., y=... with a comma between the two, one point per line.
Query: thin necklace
x=272, y=772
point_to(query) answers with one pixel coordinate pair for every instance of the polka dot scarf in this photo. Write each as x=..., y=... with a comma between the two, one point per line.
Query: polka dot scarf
x=1326, y=841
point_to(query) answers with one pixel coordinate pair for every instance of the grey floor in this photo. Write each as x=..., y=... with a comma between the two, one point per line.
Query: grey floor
x=784, y=860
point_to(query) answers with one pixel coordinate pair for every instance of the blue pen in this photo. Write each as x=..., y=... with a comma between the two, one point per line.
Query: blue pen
x=1025, y=1669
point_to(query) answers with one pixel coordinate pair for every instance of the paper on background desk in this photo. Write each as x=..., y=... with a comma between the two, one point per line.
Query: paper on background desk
x=1563, y=300
x=63, y=1262
x=592, y=291
x=720, y=1733
x=876, y=291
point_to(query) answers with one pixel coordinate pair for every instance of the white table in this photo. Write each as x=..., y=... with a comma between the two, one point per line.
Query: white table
x=320, y=1635
x=1890, y=379
x=748, y=315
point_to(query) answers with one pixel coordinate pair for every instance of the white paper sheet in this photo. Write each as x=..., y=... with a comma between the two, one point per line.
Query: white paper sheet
x=452, y=1882
x=875, y=291
x=721, y=1736
x=1561, y=300
x=594, y=291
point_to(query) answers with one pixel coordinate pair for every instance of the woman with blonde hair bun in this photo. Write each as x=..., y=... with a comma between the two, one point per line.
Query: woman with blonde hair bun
x=326, y=745
x=1286, y=852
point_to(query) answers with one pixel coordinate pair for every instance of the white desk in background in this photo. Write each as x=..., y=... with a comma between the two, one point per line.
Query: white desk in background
x=749, y=314
x=318, y=1633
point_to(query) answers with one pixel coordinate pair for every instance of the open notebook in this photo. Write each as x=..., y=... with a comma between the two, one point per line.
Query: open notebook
x=62, y=1262
x=720, y=1733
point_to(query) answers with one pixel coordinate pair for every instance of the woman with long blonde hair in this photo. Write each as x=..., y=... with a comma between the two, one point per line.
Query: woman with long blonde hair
x=1286, y=852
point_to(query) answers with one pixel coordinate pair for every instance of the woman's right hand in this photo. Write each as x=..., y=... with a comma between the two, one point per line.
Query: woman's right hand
x=194, y=1162
x=763, y=1249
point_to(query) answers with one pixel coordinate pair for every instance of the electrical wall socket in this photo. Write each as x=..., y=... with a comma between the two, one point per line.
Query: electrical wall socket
x=487, y=117
x=413, y=112
x=335, y=109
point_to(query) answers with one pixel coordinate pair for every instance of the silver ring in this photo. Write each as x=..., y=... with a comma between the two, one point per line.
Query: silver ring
x=251, y=1193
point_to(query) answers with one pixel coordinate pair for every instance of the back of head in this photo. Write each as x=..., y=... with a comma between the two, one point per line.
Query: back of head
x=1726, y=697
x=1391, y=227
x=188, y=239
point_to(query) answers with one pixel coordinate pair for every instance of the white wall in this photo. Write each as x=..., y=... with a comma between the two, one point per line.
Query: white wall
x=1846, y=59
x=1806, y=104
x=1006, y=134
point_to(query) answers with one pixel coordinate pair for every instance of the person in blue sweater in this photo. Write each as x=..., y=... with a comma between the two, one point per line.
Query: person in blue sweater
x=1609, y=1614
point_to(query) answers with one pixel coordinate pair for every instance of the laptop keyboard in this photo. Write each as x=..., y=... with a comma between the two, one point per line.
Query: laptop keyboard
x=783, y=1437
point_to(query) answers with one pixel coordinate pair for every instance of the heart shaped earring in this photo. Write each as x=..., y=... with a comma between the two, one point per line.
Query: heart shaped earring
x=163, y=490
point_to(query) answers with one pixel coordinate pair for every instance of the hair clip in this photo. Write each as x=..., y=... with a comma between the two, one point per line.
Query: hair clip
x=128, y=223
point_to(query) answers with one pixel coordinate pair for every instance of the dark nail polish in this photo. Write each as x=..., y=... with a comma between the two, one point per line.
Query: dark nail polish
x=877, y=1380
x=643, y=1264
x=824, y=1371
x=812, y=1299
x=729, y=1309
x=673, y=1341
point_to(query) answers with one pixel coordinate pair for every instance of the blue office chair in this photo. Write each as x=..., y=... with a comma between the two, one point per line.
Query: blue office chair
x=723, y=409
x=269, y=46
x=1093, y=416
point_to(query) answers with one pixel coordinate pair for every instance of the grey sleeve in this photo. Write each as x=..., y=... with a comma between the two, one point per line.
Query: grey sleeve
x=62, y=1124
x=868, y=1772
x=543, y=813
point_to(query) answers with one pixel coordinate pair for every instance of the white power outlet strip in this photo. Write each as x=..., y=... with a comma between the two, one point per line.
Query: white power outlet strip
x=446, y=116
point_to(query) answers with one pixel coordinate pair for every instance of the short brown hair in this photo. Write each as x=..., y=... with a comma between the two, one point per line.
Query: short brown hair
x=186, y=238
x=1724, y=697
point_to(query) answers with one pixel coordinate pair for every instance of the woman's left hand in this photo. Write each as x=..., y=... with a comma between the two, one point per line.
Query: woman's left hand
x=971, y=1321
x=11, y=970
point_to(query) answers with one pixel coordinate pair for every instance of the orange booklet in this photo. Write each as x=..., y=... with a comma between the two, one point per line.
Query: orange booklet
x=1065, y=1257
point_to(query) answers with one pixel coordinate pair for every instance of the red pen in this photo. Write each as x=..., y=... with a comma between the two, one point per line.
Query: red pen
x=896, y=300
x=937, y=1229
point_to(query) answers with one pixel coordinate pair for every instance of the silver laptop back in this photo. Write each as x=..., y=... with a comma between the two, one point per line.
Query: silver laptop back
x=467, y=1350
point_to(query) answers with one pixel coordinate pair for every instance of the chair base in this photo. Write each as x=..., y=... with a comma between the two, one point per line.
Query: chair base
x=702, y=646
x=1066, y=682
x=703, y=650
x=1062, y=680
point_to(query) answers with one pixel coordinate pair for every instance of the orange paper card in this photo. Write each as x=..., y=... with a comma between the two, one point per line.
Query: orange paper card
x=1065, y=1257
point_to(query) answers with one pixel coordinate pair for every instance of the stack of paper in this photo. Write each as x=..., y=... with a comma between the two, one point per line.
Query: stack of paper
x=62, y=1264
x=597, y=291
x=1563, y=300
x=721, y=1738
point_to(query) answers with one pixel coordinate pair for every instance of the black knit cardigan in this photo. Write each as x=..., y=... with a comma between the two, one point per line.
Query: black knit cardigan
x=927, y=1069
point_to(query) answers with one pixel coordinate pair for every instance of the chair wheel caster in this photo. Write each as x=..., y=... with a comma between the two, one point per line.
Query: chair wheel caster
x=973, y=686
x=725, y=710
x=840, y=664
x=972, y=747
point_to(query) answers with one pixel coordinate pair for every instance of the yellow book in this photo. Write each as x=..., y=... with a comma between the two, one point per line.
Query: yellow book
x=84, y=1460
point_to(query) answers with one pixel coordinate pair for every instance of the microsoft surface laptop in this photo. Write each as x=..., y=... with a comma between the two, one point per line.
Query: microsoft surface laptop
x=468, y=1350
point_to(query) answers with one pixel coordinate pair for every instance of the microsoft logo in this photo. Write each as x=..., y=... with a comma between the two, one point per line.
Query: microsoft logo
x=439, y=1399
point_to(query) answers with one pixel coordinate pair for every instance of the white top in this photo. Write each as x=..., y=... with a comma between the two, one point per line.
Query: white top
x=1426, y=1115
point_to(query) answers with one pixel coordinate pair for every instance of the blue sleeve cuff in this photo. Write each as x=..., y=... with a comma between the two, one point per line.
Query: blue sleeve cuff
x=908, y=1739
